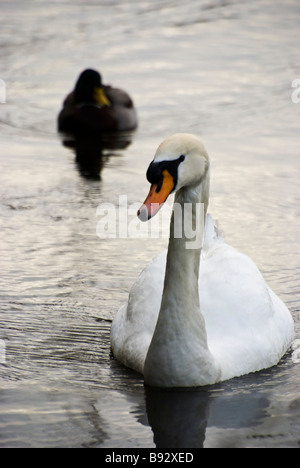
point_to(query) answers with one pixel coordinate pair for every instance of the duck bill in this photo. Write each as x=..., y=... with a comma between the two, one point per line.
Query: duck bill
x=100, y=97
x=156, y=197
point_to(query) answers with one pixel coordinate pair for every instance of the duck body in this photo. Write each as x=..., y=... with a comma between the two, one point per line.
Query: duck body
x=96, y=108
x=201, y=316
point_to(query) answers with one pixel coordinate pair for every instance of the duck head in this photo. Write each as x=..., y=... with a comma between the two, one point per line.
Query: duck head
x=89, y=89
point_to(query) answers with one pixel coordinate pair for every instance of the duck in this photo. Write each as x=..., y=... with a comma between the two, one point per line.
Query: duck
x=95, y=108
x=201, y=312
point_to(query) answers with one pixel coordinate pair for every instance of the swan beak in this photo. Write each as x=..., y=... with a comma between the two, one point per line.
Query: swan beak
x=100, y=97
x=157, y=196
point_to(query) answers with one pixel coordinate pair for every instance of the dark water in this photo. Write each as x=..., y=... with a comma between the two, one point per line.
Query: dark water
x=220, y=69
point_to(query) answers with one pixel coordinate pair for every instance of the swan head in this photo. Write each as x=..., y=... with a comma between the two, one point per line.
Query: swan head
x=180, y=162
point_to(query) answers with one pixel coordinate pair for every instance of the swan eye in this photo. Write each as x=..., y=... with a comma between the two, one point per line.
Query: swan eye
x=159, y=185
x=155, y=170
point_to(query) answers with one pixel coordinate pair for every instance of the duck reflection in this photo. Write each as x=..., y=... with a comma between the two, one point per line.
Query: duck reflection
x=92, y=151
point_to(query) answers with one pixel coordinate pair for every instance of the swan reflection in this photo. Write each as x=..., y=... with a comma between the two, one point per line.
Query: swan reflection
x=181, y=418
x=178, y=418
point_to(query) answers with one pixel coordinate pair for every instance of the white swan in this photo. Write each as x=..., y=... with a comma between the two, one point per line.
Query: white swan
x=164, y=331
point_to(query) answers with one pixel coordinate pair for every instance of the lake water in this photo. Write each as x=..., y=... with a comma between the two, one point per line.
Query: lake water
x=222, y=69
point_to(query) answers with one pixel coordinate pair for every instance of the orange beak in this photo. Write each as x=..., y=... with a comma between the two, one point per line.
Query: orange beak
x=156, y=197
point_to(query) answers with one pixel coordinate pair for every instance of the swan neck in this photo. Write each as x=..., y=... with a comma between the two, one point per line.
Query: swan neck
x=178, y=355
x=188, y=216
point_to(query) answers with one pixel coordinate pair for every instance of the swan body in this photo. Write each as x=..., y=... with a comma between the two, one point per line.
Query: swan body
x=197, y=316
x=95, y=108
